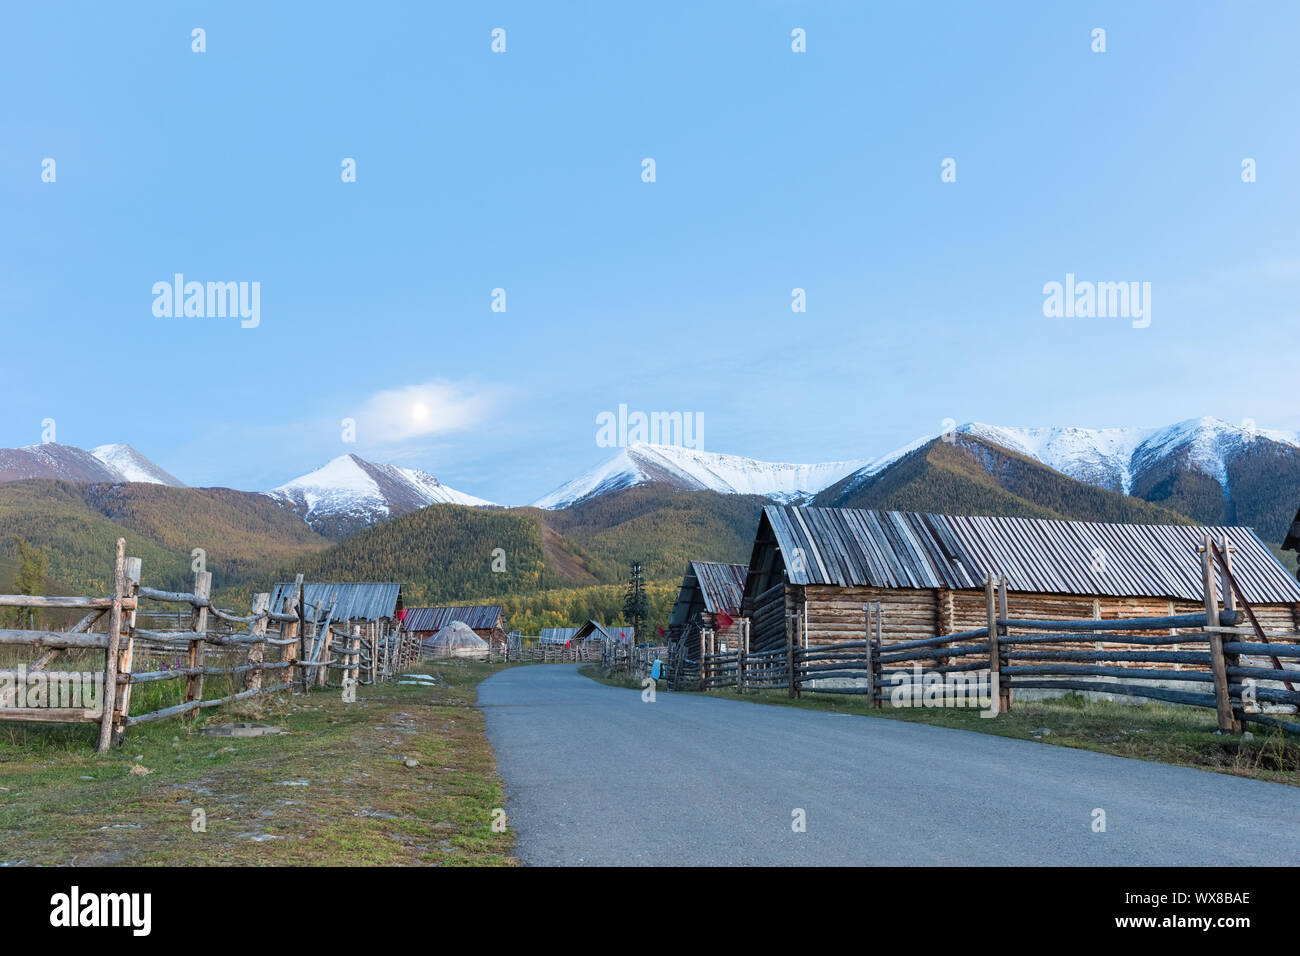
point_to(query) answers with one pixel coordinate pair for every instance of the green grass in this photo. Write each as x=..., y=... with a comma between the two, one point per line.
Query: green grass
x=616, y=678
x=1184, y=736
x=359, y=805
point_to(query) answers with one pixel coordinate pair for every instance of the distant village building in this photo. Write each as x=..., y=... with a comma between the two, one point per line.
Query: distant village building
x=710, y=597
x=347, y=602
x=557, y=635
x=927, y=572
x=593, y=635
x=488, y=621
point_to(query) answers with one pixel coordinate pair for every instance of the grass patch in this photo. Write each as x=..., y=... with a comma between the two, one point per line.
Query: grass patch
x=331, y=791
x=613, y=677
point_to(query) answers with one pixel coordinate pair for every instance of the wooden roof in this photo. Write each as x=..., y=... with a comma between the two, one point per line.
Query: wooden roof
x=615, y=632
x=903, y=549
x=711, y=586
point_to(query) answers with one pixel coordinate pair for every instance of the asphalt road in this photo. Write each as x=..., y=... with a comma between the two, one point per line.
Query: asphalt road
x=594, y=775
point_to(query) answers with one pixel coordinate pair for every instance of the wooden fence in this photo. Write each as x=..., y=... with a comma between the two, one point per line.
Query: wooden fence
x=547, y=653
x=307, y=647
x=638, y=659
x=1211, y=660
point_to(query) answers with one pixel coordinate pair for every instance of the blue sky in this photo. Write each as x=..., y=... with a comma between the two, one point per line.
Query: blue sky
x=522, y=171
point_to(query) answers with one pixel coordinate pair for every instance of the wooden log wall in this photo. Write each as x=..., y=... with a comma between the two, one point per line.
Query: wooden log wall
x=834, y=614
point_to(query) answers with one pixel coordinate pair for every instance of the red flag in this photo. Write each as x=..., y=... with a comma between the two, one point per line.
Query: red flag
x=724, y=620
x=661, y=631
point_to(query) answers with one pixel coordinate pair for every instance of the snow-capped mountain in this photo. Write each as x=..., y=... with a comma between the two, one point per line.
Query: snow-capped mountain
x=350, y=492
x=108, y=463
x=133, y=466
x=689, y=469
x=1117, y=458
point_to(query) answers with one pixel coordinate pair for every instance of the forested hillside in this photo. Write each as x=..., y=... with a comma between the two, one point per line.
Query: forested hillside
x=77, y=525
x=661, y=527
x=969, y=477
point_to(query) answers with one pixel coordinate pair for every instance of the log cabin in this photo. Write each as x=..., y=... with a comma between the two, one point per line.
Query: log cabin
x=927, y=572
x=709, y=589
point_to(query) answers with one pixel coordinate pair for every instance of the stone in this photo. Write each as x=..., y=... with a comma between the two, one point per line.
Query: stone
x=243, y=729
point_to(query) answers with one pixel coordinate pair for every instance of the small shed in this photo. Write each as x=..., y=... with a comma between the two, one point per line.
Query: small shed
x=488, y=621
x=557, y=635
x=592, y=635
x=352, y=602
x=711, y=593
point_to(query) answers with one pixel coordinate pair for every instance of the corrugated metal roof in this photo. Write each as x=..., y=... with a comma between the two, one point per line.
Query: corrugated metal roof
x=478, y=616
x=614, y=632
x=903, y=549
x=557, y=635
x=353, y=601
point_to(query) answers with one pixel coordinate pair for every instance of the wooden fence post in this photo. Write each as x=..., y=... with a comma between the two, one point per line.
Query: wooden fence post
x=108, y=696
x=740, y=662
x=877, y=673
x=351, y=675
x=1230, y=604
x=322, y=644
x=791, y=679
x=257, y=650
x=995, y=655
x=199, y=625
x=1004, y=683
x=299, y=598
x=869, y=636
x=1228, y=723
x=126, y=652
x=289, y=652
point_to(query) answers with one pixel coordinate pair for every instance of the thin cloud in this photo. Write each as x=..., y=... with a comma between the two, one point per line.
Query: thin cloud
x=415, y=411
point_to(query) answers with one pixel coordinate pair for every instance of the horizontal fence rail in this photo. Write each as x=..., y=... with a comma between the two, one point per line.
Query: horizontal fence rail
x=1219, y=658
x=306, y=648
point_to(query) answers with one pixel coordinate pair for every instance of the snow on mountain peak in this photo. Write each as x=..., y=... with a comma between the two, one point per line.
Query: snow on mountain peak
x=690, y=469
x=133, y=466
x=1112, y=457
x=351, y=487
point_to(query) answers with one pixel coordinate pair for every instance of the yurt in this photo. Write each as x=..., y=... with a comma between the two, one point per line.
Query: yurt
x=456, y=639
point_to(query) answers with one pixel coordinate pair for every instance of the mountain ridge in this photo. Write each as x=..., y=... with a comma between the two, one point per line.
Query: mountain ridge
x=349, y=493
